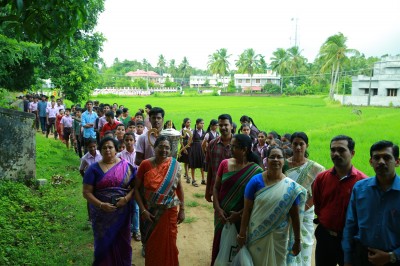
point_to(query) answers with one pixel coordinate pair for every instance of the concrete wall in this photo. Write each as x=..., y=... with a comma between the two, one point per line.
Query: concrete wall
x=363, y=100
x=18, y=145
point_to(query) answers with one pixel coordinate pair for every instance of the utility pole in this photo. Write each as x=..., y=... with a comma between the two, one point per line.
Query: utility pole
x=369, y=90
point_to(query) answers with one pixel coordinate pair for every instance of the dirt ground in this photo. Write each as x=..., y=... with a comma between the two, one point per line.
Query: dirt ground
x=195, y=235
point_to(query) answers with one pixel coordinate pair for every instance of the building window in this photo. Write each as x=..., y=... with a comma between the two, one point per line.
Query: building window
x=257, y=80
x=392, y=92
x=374, y=92
x=247, y=80
x=239, y=81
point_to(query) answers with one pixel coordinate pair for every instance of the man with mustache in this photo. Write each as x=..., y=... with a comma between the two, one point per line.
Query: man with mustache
x=217, y=150
x=331, y=194
x=372, y=232
x=144, y=150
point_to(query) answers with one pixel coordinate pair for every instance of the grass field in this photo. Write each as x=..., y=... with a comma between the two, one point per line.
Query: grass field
x=320, y=118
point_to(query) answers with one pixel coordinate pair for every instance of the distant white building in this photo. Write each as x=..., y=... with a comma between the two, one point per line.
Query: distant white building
x=385, y=79
x=257, y=81
x=385, y=85
x=212, y=81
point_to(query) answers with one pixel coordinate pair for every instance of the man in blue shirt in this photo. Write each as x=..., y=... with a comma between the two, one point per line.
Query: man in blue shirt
x=42, y=105
x=87, y=121
x=372, y=232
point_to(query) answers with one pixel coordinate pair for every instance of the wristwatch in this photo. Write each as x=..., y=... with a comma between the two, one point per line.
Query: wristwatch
x=393, y=257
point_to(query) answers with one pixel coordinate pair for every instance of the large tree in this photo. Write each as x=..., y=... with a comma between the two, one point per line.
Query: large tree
x=184, y=67
x=334, y=53
x=161, y=64
x=218, y=62
x=248, y=63
x=69, y=55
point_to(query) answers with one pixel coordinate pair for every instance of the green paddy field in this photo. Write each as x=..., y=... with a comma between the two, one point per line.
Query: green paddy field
x=320, y=118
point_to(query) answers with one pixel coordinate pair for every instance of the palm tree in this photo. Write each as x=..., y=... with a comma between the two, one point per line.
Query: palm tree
x=296, y=62
x=334, y=53
x=248, y=62
x=161, y=64
x=172, y=67
x=218, y=63
x=280, y=63
x=263, y=65
x=184, y=67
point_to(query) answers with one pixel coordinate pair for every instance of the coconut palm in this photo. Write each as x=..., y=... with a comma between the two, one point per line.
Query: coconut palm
x=280, y=61
x=161, y=64
x=334, y=53
x=218, y=63
x=184, y=67
x=262, y=68
x=248, y=63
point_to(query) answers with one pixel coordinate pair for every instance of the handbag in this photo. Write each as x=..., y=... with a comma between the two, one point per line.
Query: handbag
x=228, y=246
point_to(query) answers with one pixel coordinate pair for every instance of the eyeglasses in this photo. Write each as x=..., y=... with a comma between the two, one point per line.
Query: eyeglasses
x=276, y=158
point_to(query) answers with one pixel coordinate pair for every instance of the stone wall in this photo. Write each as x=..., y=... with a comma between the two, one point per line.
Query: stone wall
x=17, y=145
x=363, y=100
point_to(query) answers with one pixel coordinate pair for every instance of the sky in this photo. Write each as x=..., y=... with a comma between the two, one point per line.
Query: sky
x=145, y=29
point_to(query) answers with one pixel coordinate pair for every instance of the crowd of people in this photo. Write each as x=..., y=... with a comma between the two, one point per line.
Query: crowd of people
x=264, y=184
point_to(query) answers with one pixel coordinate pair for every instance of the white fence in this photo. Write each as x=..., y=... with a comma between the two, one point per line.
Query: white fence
x=363, y=100
x=128, y=91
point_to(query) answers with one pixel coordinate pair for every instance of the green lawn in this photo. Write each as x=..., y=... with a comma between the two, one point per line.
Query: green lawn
x=315, y=115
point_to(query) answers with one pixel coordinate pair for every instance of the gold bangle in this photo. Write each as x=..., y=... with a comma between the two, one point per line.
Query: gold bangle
x=241, y=237
x=143, y=211
x=101, y=204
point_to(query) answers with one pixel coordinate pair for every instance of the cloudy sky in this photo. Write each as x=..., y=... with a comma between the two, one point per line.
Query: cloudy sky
x=196, y=29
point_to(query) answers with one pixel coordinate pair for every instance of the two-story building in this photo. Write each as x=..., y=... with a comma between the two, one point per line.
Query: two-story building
x=257, y=81
x=384, y=84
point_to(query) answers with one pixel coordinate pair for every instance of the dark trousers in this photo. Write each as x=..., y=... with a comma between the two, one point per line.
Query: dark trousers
x=360, y=256
x=36, y=119
x=50, y=125
x=43, y=123
x=328, y=251
x=78, y=145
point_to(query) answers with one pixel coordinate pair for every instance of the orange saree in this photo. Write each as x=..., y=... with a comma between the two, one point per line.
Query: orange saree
x=159, y=195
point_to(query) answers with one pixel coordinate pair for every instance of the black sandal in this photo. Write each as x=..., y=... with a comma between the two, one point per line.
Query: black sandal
x=203, y=182
x=194, y=183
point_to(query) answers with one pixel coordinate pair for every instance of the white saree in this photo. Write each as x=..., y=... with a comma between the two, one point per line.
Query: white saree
x=268, y=232
x=305, y=176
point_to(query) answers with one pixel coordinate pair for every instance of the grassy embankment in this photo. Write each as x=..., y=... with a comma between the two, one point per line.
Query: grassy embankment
x=46, y=226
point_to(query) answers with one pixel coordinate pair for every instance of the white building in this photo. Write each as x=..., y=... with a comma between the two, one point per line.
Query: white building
x=385, y=85
x=257, y=81
x=212, y=81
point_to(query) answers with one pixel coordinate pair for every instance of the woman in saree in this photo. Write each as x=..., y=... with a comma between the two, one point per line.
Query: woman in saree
x=303, y=171
x=108, y=187
x=232, y=176
x=272, y=203
x=158, y=192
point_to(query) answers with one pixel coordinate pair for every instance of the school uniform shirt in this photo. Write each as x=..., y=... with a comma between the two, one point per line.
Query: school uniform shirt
x=130, y=157
x=59, y=107
x=66, y=121
x=102, y=122
x=33, y=106
x=143, y=146
x=88, y=118
x=51, y=112
x=89, y=159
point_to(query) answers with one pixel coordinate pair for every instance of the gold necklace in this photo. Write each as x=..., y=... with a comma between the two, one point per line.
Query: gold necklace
x=111, y=164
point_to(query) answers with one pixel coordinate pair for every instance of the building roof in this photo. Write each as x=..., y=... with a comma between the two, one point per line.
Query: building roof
x=142, y=73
